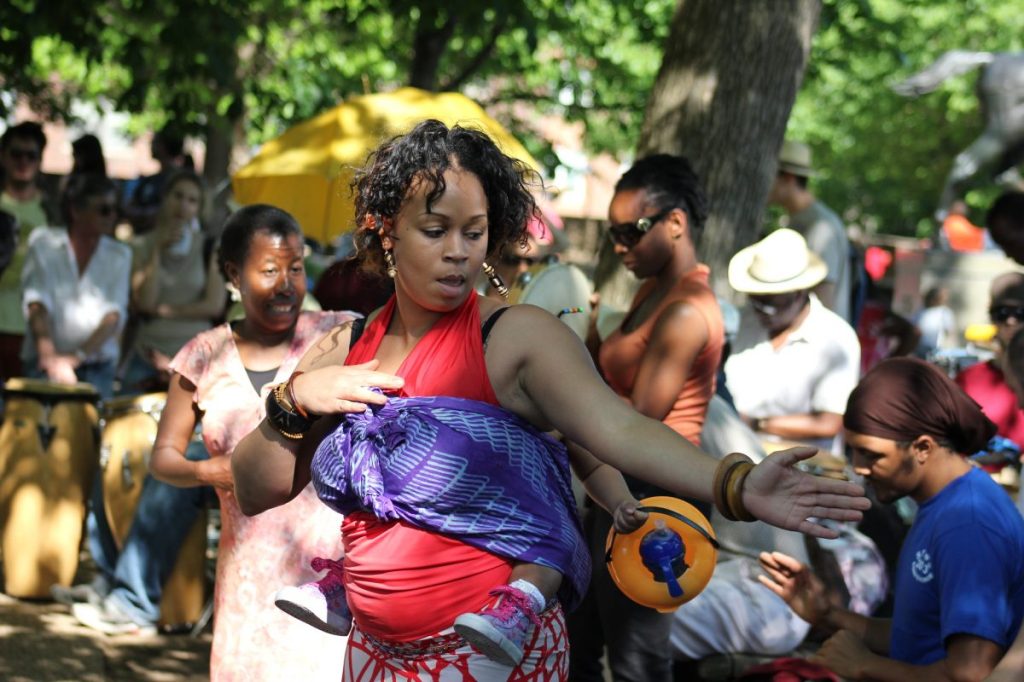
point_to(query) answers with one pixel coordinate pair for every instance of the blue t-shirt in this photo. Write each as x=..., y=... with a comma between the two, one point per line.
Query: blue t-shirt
x=960, y=571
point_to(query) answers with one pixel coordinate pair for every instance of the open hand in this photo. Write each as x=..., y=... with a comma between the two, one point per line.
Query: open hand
x=844, y=654
x=796, y=584
x=627, y=518
x=61, y=369
x=339, y=389
x=780, y=494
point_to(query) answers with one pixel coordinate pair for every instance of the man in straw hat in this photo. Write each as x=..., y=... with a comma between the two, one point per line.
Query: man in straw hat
x=794, y=362
x=818, y=224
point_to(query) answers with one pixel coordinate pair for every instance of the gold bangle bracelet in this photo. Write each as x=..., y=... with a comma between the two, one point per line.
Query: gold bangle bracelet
x=723, y=474
x=734, y=492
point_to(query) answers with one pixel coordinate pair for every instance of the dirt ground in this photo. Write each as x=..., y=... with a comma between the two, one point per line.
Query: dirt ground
x=42, y=642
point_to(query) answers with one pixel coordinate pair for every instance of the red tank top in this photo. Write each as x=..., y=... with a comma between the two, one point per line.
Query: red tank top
x=404, y=583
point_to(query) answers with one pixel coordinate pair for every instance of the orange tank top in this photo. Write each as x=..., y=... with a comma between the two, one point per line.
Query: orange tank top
x=621, y=353
x=404, y=583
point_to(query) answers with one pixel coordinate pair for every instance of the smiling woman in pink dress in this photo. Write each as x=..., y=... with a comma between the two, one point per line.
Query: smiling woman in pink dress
x=221, y=378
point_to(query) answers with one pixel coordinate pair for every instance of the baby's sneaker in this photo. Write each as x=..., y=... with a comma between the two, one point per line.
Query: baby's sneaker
x=499, y=631
x=321, y=604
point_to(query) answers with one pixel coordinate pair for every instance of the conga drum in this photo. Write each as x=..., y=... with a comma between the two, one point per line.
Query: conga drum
x=561, y=289
x=129, y=430
x=48, y=445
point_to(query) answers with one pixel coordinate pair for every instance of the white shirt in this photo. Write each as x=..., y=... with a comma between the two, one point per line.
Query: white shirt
x=76, y=303
x=814, y=370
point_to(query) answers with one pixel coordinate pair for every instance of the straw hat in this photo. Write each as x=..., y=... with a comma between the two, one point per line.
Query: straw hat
x=795, y=158
x=779, y=263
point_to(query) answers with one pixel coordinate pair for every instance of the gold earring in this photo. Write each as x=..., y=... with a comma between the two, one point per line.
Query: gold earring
x=389, y=261
x=495, y=280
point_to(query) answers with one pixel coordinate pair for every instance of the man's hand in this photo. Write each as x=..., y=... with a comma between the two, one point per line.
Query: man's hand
x=844, y=654
x=797, y=585
x=60, y=368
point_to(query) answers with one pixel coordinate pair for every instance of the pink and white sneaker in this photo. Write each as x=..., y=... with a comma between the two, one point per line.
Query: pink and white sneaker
x=499, y=631
x=321, y=604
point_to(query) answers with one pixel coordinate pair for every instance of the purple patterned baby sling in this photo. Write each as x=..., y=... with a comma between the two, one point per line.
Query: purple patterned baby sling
x=464, y=468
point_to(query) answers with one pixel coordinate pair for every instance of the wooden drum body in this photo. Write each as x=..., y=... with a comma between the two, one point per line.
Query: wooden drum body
x=129, y=431
x=48, y=455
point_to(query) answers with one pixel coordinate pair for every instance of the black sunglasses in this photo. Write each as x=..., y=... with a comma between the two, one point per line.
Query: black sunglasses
x=1002, y=313
x=630, y=234
x=24, y=154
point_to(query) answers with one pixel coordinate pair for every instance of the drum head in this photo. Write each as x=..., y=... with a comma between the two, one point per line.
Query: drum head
x=42, y=387
x=562, y=290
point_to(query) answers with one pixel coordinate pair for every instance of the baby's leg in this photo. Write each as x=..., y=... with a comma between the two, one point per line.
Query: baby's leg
x=500, y=629
x=320, y=603
x=543, y=580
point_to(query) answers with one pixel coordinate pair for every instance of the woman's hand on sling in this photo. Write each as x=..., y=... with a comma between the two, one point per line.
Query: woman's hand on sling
x=780, y=494
x=337, y=389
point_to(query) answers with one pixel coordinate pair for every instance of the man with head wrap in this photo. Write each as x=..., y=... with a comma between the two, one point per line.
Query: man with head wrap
x=959, y=588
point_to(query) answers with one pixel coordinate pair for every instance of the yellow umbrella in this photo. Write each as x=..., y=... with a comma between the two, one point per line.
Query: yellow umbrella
x=307, y=170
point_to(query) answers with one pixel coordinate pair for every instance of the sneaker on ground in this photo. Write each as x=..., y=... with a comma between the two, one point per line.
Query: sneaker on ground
x=321, y=604
x=76, y=594
x=499, y=631
x=109, y=619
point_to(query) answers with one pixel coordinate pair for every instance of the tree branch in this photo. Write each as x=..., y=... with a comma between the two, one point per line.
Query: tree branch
x=477, y=61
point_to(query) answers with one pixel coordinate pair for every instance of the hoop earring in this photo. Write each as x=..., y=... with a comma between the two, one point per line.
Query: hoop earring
x=495, y=280
x=389, y=261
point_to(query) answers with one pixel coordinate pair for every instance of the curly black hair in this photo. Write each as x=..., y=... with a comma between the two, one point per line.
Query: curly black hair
x=244, y=224
x=670, y=182
x=426, y=152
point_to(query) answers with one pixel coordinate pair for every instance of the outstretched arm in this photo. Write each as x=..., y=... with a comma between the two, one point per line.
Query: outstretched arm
x=540, y=370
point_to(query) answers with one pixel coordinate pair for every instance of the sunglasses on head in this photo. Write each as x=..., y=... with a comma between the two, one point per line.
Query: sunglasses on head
x=1002, y=313
x=630, y=234
x=24, y=154
x=773, y=304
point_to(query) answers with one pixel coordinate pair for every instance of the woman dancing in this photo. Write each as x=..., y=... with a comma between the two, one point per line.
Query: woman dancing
x=431, y=206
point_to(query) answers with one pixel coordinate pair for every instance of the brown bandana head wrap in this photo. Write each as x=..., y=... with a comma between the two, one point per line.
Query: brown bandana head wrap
x=903, y=398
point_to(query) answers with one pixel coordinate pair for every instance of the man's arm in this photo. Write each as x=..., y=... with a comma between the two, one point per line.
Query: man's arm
x=802, y=426
x=968, y=659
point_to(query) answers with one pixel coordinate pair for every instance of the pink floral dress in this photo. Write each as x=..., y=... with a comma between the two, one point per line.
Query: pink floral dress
x=252, y=639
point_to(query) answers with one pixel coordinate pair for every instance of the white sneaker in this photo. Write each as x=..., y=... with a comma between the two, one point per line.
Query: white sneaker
x=109, y=619
x=321, y=604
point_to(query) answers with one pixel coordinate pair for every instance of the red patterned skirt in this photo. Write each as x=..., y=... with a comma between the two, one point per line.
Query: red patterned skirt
x=446, y=657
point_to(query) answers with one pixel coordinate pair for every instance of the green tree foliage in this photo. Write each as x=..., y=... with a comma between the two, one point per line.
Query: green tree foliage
x=262, y=65
x=882, y=158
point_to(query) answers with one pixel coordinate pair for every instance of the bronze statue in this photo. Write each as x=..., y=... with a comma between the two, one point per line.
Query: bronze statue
x=1000, y=147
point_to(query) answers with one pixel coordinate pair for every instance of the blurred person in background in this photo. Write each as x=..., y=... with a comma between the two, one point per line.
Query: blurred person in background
x=75, y=290
x=21, y=152
x=87, y=155
x=168, y=149
x=1005, y=221
x=986, y=382
x=936, y=322
x=794, y=361
x=177, y=287
x=817, y=223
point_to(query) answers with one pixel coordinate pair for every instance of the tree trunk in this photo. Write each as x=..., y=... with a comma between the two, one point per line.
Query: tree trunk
x=722, y=97
x=428, y=46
